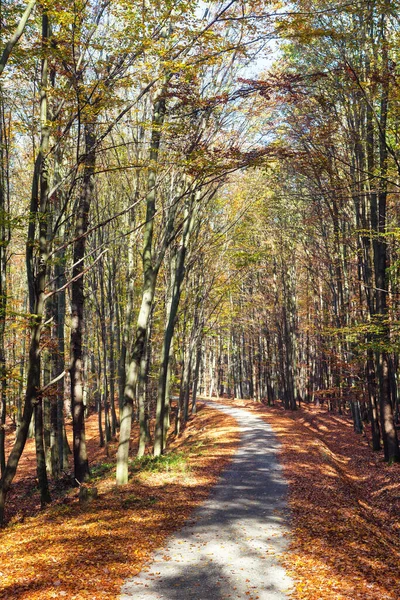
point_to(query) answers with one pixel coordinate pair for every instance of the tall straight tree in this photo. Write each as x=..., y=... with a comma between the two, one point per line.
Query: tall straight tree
x=81, y=464
x=151, y=266
x=36, y=275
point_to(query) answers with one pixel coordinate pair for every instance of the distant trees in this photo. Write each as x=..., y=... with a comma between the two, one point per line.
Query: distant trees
x=329, y=284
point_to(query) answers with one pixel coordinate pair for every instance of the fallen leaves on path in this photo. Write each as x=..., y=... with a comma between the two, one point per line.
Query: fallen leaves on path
x=86, y=551
x=345, y=504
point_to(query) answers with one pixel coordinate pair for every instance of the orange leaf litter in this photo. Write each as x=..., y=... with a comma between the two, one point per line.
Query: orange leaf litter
x=85, y=552
x=345, y=504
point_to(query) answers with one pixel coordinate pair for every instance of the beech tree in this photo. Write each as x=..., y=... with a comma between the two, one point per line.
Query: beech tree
x=192, y=230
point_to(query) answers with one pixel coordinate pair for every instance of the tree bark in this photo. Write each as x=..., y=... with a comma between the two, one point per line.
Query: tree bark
x=150, y=273
x=81, y=464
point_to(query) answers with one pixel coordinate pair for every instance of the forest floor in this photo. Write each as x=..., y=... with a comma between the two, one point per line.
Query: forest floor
x=85, y=551
x=345, y=504
x=344, y=500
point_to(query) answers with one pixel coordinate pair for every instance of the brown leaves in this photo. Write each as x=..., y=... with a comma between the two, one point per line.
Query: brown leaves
x=345, y=505
x=81, y=551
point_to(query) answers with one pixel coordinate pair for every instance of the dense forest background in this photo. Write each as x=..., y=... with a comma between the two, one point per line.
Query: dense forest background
x=176, y=223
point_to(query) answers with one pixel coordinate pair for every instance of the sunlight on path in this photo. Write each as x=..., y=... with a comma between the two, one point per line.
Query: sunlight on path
x=230, y=547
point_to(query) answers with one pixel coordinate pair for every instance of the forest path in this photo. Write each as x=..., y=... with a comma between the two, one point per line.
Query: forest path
x=230, y=547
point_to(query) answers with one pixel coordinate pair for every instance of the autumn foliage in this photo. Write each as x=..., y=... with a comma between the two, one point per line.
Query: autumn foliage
x=345, y=505
x=85, y=551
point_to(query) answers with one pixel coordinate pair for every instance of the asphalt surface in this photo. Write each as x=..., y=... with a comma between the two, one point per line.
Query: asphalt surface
x=230, y=547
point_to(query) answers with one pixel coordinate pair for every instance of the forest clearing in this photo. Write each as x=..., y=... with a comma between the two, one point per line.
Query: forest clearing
x=199, y=299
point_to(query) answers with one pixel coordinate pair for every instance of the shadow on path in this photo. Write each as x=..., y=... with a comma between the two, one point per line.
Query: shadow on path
x=230, y=547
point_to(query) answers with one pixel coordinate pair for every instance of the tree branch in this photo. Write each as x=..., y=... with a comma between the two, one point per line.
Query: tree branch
x=16, y=36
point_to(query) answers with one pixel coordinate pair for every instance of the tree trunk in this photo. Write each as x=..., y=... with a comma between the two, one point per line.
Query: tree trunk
x=176, y=286
x=36, y=286
x=196, y=375
x=150, y=272
x=4, y=240
x=144, y=433
x=389, y=433
x=81, y=464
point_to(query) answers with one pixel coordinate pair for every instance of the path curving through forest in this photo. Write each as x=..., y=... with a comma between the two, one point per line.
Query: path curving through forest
x=230, y=547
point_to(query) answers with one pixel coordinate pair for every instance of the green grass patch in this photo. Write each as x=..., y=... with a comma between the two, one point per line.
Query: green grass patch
x=197, y=448
x=173, y=462
x=100, y=470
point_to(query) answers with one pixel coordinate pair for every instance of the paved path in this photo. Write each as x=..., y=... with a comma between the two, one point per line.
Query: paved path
x=230, y=546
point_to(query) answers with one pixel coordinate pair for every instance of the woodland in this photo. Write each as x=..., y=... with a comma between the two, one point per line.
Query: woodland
x=197, y=199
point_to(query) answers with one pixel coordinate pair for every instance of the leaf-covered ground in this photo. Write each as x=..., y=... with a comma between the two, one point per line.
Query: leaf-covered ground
x=77, y=551
x=345, y=504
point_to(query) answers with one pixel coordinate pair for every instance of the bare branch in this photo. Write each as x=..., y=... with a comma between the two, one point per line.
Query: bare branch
x=50, y=294
x=53, y=382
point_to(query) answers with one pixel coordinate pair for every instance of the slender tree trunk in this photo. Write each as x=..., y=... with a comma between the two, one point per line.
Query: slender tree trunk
x=60, y=361
x=150, y=272
x=81, y=464
x=106, y=403
x=167, y=406
x=389, y=433
x=144, y=433
x=196, y=376
x=111, y=356
x=373, y=409
x=36, y=286
x=4, y=239
x=40, y=454
x=176, y=284
x=42, y=268
x=127, y=324
x=186, y=384
x=133, y=375
x=97, y=393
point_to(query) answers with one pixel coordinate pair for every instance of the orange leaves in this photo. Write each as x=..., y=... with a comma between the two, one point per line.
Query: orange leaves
x=345, y=506
x=84, y=552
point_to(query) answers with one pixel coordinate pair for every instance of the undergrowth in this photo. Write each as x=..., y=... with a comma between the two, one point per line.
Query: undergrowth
x=173, y=462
